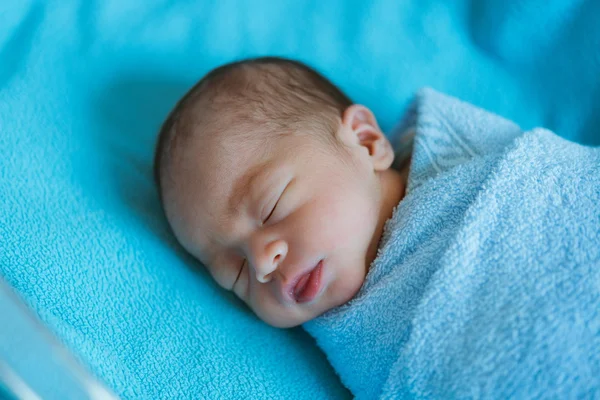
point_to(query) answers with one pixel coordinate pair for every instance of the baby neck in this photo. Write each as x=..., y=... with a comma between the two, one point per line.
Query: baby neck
x=393, y=187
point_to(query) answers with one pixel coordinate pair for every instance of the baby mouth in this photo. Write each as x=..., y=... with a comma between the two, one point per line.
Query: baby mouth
x=309, y=285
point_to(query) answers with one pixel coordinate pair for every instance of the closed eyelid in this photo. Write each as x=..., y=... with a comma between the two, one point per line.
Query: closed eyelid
x=239, y=273
x=273, y=204
x=224, y=267
x=269, y=206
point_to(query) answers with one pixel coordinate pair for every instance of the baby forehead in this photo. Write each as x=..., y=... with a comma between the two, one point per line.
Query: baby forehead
x=222, y=168
x=225, y=145
x=216, y=173
x=213, y=177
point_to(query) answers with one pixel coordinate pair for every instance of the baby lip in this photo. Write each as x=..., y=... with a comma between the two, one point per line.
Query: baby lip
x=301, y=283
x=290, y=289
x=306, y=285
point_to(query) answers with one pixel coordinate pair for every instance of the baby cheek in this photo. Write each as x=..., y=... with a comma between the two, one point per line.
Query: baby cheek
x=222, y=276
x=337, y=220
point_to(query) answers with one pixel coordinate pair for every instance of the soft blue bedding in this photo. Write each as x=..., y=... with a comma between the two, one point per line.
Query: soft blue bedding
x=84, y=86
x=487, y=281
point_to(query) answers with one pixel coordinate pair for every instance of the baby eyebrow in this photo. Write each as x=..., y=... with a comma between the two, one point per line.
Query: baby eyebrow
x=241, y=187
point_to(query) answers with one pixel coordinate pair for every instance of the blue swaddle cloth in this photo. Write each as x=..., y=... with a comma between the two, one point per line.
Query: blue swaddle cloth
x=487, y=280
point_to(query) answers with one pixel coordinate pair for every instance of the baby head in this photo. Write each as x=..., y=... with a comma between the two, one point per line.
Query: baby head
x=279, y=184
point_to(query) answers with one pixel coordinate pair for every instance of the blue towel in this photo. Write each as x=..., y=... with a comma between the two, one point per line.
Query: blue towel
x=84, y=86
x=487, y=280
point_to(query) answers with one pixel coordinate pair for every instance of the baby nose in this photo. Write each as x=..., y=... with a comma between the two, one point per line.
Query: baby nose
x=268, y=262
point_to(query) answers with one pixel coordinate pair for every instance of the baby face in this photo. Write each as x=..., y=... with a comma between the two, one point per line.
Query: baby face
x=290, y=227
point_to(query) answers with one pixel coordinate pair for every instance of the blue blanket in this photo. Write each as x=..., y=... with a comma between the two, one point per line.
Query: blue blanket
x=84, y=85
x=487, y=281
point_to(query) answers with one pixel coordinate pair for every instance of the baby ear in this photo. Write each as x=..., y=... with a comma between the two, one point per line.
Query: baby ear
x=360, y=128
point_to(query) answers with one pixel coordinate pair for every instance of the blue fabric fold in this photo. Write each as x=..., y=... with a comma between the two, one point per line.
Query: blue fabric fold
x=487, y=280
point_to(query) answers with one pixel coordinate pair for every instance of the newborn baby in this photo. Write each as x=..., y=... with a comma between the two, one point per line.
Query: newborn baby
x=279, y=185
x=464, y=263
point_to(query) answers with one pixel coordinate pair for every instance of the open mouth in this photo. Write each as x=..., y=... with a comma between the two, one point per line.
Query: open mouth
x=308, y=285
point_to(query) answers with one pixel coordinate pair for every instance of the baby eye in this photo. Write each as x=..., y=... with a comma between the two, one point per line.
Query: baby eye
x=239, y=274
x=283, y=192
x=272, y=211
